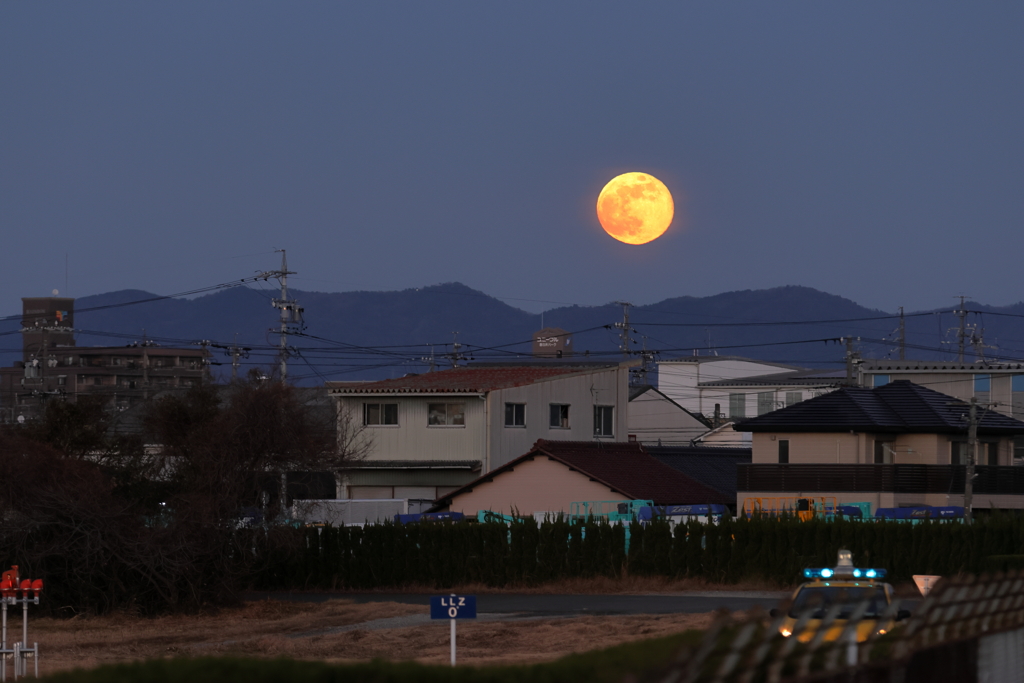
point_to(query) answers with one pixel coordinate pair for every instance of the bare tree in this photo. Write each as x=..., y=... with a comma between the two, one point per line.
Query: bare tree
x=112, y=523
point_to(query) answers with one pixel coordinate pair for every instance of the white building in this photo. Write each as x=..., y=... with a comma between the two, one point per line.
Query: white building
x=736, y=388
x=656, y=418
x=429, y=434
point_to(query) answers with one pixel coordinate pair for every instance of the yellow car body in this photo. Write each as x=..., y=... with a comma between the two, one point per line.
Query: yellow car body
x=818, y=596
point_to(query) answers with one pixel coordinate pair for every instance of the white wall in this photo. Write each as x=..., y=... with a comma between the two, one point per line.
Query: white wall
x=679, y=379
x=484, y=436
x=412, y=438
x=608, y=387
x=653, y=417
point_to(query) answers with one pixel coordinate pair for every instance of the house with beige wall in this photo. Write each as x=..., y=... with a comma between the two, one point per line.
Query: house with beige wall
x=995, y=384
x=898, y=444
x=431, y=433
x=552, y=475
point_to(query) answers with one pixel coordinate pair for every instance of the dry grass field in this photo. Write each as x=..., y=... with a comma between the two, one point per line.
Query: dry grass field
x=334, y=631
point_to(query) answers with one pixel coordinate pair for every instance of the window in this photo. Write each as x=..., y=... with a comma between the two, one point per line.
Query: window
x=883, y=452
x=879, y=380
x=446, y=415
x=559, y=416
x=993, y=453
x=604, y=424
x=380, y=413
x=794, y=397
x=783, y=451
x=958, y=453
x=737, y=405
x=765, y=402
x=1018, y=450
x=515, y=414
x=62, y=380
x=982, y=384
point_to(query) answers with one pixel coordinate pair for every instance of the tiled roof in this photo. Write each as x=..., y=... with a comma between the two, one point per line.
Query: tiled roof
x=712, y=466
x=469, y=380
x=899, y=407
x=623, y=467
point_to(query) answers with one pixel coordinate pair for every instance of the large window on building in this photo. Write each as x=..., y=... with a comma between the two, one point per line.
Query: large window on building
x=380, y=413
x=559, y=416
x=879, y=380
x=765, y=402
x=515, y=414
x=737, y=406
x=446, y=414
x=884, y=450
x=793, y=397
x=783, y=451
x=604, y=421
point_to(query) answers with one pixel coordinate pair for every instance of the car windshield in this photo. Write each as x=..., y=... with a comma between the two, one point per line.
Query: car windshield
x=819, y=599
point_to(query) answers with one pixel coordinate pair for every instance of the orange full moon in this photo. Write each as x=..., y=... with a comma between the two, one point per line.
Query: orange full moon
x=635, y=208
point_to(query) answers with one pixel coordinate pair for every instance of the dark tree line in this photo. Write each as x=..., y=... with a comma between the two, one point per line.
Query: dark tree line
x=147, y=518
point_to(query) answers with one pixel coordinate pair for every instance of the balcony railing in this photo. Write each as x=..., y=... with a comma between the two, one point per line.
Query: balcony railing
x=878, y=478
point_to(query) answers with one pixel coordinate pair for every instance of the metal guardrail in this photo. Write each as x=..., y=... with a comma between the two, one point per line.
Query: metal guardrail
x=966, y=629
x=874, y=478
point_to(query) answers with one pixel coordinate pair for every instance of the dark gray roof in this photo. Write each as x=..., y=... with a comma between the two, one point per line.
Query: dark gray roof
x=829, y=378
x=900, y=407
x=873, y=366
x=472, y=465
x=715, y=467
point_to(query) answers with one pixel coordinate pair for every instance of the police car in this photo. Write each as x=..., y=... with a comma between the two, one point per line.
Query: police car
x=839, y=590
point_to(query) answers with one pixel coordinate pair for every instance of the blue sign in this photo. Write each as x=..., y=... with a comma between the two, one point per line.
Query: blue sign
x=453, y=607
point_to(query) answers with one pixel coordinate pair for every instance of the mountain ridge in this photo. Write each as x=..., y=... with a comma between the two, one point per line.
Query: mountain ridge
x=374, y=334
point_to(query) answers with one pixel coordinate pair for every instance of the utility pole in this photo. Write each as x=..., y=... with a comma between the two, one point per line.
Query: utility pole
x=205, y=360
x=236, y=352
x=624, y=326
x=430, y=359
x=852, y=359
x=455, y=356
x=903, y=336
x=291, y=312
x=961, y=330
x=972, y=447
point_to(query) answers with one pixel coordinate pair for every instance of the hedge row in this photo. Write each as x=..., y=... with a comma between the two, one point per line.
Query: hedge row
x=523, y=553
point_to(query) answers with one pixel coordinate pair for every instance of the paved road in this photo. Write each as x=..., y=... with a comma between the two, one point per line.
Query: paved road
x=533, y=605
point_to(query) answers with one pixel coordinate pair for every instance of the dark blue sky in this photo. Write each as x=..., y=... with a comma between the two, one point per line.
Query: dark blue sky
x=870, y=149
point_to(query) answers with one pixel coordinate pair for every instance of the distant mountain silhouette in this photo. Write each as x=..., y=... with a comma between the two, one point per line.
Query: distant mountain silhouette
x=365, y=335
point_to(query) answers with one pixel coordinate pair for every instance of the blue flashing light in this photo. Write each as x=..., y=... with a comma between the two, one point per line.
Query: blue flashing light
x=857, y=573
x=826, y=573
